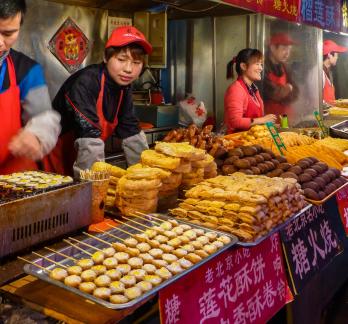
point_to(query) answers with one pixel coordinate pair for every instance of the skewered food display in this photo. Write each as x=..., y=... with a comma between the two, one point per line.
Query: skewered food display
x=201, y=138
x=23, y=184
x=128, y=277
x=247, y=206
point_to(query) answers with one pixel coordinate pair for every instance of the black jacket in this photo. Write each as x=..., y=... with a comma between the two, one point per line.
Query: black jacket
x=79, y=114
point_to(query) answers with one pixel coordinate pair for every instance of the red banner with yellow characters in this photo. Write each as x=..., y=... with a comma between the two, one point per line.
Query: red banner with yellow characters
x=283, y=9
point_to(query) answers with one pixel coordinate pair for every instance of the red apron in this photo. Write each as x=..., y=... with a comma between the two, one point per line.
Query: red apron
x=63, y=156
x=328, y=91
x=11, y=124
x=273, y=107
x=255, y=107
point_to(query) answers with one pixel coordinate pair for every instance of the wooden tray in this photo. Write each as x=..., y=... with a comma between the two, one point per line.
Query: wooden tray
x=320, y=202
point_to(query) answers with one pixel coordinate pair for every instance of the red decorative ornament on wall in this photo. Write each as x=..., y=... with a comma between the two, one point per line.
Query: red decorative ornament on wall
x=69, y=45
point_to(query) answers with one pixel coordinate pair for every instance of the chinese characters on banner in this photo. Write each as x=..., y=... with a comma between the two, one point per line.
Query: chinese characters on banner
x=243, y=285
x=310, y=242
x=342, y=203
x=325, y=14
x=283, y=9
x=344, y=16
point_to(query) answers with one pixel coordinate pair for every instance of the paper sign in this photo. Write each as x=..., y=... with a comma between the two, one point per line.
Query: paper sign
x=242, y=285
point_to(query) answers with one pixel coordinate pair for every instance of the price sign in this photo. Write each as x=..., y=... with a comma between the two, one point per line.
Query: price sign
x=309, y=242
x=243, y=285
x=342, y=203
x=276, y=138
x=321, y=124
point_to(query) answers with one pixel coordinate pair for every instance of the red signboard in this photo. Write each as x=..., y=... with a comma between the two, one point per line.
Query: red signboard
x=242, y=285
x=342, y=202
x=283, y=9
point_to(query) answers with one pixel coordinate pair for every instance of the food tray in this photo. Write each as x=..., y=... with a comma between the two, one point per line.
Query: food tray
x=338, y=130
x=75, y=253
x=275, y=229
x=320, y=202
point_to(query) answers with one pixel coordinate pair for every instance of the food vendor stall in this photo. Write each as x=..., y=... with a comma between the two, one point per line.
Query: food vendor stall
x=241, y=211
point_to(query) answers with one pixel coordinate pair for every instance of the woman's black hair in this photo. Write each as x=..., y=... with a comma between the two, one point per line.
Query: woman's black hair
x=247, y=56
x=10, y=8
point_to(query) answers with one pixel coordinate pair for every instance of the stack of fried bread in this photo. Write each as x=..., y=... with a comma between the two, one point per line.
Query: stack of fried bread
x=245, y=205
x=138, y=190
x=115, y=174
x=196, y=164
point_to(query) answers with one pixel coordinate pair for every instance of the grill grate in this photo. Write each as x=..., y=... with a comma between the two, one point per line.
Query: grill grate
x=41, y=226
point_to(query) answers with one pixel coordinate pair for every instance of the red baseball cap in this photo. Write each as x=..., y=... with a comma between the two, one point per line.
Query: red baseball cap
x=125, y=35
x=281, y=39
x=330, y=46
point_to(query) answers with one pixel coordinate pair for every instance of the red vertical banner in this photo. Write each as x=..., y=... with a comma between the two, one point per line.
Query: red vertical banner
x=243, y=285
x=342, y=202
x=283, y=9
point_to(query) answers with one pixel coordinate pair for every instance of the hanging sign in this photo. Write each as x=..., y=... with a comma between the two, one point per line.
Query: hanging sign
x=69, y=45
x=325, y=14
x=283, y=9
x=242, y=285
x=310, y=243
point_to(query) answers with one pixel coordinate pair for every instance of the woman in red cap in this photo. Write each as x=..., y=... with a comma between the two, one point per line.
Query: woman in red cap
x=279, y=90
x=243, y=103
x=96, y=102
x=330, y=57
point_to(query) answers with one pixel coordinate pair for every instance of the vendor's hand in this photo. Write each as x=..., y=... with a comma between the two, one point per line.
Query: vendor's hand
x=26, y=144
x=265, y=119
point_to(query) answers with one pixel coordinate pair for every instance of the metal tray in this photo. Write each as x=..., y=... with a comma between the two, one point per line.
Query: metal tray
x=275, y=229
x=337, y=129
x=75, y=253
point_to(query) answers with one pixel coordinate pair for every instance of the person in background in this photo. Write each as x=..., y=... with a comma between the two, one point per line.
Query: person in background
x=96, y=102
x=330, y=57
x=29, y=128
x=243, y=103
x=279, y=90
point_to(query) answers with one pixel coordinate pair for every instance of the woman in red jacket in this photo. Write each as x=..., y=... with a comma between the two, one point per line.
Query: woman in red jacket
x=243, y=103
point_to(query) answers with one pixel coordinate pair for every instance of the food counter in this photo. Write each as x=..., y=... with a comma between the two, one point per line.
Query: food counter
x=251, y=208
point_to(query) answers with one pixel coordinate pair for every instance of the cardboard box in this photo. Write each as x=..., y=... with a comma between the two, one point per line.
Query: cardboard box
x=159, y=116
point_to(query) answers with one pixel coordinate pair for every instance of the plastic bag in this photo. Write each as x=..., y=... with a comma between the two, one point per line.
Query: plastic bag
x=192, y=112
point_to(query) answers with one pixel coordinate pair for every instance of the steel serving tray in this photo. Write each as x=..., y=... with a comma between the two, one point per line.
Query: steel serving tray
x=338, y=129
x=75, y=253
x=275, y=229
x=28, y=221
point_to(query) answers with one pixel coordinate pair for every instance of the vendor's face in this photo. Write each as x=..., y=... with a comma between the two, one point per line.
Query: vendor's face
x=253, y=71
x=281, y=53
x=9, y=30
x=333, y=59
x=123, y=68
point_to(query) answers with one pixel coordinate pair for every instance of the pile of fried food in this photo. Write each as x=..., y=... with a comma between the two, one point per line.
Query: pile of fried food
x=340, y=107
x=247, y=206
x=201, y=138
x=124, y=271
x=159, y=175
x=251, y=136
x=335, y=143
x=331, y=156
x=254, y=159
